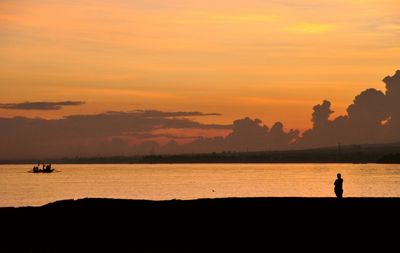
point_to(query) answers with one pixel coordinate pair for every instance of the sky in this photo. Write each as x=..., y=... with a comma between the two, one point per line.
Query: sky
x=271, y=60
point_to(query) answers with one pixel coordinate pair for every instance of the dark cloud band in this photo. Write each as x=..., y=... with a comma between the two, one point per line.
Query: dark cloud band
x=45, y=106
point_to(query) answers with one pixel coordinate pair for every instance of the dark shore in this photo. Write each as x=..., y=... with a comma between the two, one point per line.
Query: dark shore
x=204, y=225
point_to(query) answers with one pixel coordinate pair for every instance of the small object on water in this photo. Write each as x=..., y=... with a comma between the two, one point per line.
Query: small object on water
x=45, y=169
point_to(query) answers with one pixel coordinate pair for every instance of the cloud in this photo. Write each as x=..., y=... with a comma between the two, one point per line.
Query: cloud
x=393, y=86
x=155, y=113
x=90, y=135
x=373, y=117
x=132, y=133
x=45, y=106
x=368, y=108
x=247, y=135
x=321, y=114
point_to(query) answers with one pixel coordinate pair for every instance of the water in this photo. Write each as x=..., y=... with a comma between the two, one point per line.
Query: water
x=192, y=181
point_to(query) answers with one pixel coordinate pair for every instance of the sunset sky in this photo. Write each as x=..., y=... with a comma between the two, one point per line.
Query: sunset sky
x=273, y=60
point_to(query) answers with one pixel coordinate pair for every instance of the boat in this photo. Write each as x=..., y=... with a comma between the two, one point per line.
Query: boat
x=46, y=169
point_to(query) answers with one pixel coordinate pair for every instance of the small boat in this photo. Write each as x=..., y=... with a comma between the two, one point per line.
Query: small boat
x=46, y=169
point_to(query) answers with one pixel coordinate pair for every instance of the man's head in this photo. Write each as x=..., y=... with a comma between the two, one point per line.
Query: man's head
x=339, y=176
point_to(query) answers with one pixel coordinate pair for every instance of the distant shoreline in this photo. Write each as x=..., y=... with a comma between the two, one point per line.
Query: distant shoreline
x=166, y=163
x=358, y=154
x=31, y=163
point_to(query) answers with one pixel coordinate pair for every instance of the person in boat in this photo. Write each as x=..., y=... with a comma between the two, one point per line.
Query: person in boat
x=48, y=167
x=36, y=168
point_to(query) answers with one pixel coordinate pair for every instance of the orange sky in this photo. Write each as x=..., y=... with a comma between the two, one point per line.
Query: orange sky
x=268, y=59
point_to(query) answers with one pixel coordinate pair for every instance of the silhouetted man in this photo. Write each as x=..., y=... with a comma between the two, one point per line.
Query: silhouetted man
x=339, y=186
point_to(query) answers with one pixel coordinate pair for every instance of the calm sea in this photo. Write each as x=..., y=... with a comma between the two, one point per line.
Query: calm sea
x=192, y=181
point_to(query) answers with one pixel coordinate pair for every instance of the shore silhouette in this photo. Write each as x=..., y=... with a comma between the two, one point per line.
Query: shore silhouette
x=203, y=225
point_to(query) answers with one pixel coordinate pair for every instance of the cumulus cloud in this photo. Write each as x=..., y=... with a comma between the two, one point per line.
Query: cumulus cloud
x=368, y=108
x=132, y=133
x=45, y=106
x=89, y=135
x=321, y=113
x=247, y=135
x=279, y=139
x=393, y=98
x=373, y=117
